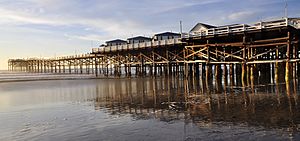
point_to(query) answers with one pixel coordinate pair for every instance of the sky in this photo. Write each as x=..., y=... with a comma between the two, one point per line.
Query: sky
x=51, y=28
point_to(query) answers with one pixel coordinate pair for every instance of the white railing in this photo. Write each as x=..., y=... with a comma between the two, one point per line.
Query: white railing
x=210, y=32
x=242, y=27
x=136, y=45
x=74, y=56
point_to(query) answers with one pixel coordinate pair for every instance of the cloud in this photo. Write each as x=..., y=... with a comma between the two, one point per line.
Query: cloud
x=115, y=18
x=13, y=17
x=110, y=26
x=89, y=37
x=175, y=5
x=240, y=15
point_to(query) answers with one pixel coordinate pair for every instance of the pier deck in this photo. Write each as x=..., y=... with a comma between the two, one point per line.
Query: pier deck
x=239, y=54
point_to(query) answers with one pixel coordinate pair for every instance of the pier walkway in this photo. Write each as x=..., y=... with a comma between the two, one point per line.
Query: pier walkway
x=239, y=53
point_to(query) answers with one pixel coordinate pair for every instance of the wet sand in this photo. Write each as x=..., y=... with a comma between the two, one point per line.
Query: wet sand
x=145, y=109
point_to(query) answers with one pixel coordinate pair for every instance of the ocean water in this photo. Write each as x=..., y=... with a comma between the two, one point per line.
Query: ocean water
x=163, y=108
x=6, y=76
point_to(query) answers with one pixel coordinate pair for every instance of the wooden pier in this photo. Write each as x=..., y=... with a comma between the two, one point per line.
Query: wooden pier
x=267, y=52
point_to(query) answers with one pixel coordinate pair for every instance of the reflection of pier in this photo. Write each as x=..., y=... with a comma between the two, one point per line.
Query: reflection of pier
x=167, y=99
x=235, y=54
x=174, y=98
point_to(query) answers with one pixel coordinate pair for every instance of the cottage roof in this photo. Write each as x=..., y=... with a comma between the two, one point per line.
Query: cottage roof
x=116, y=41
x=203, y=25
x=139, y=38
x=167, y=34
x=102, y=45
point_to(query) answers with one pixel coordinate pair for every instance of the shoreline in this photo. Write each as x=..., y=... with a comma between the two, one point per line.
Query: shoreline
x=47, y=77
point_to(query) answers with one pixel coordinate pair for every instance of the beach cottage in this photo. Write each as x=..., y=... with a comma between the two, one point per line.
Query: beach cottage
x=116, y=42
x=201, y=29
x=165, y=36
x=138, y=39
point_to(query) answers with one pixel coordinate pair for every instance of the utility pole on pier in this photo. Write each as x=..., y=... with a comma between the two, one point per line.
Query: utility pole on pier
x=180, y=24
x=286, y=9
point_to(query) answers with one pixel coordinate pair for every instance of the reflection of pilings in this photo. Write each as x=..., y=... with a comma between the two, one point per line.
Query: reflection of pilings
x=276, y=66
x=163, y=96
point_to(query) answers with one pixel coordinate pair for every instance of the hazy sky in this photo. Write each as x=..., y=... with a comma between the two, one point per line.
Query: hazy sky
x=35, y=28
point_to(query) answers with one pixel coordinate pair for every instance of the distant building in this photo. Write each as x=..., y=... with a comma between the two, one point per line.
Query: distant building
x=165, y=36
x=295, y=22
x=138, y=39
x=201, y=29
x=115, y=42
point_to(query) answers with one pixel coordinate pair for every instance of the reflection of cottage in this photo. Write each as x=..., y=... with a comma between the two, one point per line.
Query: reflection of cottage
x=201, y=29
x=115, y=42
x=165, y=36
x=138, y=39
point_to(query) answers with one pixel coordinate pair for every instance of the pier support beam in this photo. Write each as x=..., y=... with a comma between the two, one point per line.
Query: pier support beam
x=287, y=64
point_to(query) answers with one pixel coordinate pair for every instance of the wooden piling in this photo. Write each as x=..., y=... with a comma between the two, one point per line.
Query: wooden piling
x=287, y=66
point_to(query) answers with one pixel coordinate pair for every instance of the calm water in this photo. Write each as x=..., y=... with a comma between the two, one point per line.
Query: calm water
x=146, y=109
